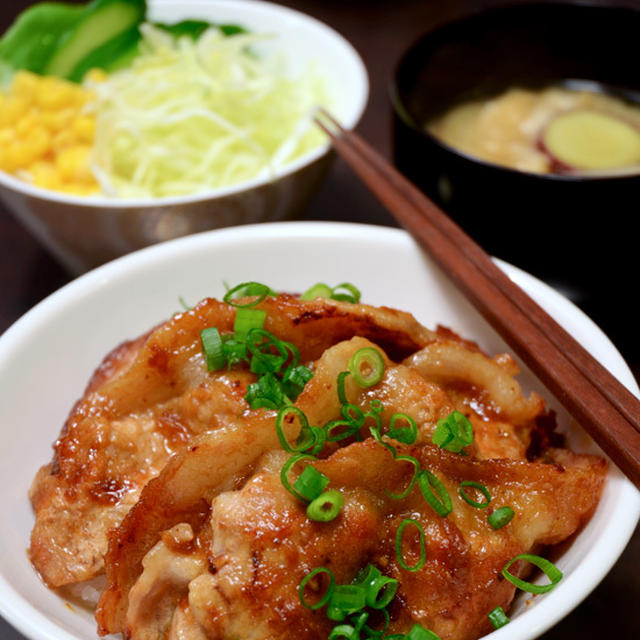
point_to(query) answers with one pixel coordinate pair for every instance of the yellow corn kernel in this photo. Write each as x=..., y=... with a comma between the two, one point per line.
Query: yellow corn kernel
x=57, y=120
x=54, y=93
x=24, y=125
x=45, y=175
x=39, y=141
x=73, y=164
x=18, y=155
x=63, y=140
x=7, y=136
x=25, y=84
x=13, y=109
x=84, y=128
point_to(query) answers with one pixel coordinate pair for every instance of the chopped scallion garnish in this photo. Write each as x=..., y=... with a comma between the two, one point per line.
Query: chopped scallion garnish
x=319, y=290
x=212, y=348
x=441, y=503
x=305, y=438
x=327, y=594
x=367, y=366
x=408, y=434
x=500, y=517
x=326, y=506
x=479, y=487
x=344, y=631
x=345, y=600
x=399, y=553
x=546, y=566
x=266, y=393
x=414, y=477
x=310, y=484
x=420, y=633
x=342, y=395
x=344, y=292
x=286, y=468
x=247, y=319
x=453, y=432
x=350, y=293
x=255, y=290
x=498, y=618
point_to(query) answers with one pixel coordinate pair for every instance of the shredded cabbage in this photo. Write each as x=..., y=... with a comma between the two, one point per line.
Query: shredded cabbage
x=189, y=116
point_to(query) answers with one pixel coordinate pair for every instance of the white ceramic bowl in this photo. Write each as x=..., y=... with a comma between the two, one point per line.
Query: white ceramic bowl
x=84, y=232
x=47, y=357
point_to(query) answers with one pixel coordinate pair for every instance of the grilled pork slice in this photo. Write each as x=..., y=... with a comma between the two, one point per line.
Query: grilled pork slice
x=191, y=477
x=148, y=400
x=257, y=544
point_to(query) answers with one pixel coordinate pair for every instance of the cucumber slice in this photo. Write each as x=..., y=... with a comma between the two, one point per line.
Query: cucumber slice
x=102, y=21
x=115, y=54
x=592, y=140
x=34, y=35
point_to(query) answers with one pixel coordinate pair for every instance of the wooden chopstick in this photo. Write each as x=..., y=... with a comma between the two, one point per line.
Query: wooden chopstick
x=606, y=409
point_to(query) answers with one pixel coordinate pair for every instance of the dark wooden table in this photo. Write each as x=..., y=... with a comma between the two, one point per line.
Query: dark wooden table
x=380, y=30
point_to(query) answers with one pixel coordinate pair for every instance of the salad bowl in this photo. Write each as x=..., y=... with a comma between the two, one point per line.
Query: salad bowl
x=84, y=231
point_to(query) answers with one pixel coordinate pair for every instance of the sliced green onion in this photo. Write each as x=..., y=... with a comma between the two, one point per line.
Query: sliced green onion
x=377, y=420
x=319, y=290
x=286, y=468
x=546, y=566
x=184, y=304
x=212, y=349
x=326, y=506
x=359, y=620
x=351, y=293
x=380, y=591
x=246, y=290
x=375, y=432
x=327, y=594
x=247, y=319
x=344, y=631
x=293, y=350
x=377, y=633
x=408, y=434
x=376, y=405
x=342, y=396
x=294, y=379
x=414, y=477
x=319, y=438
x=234, y=351
x=367, y=575
x=261, y=344
x=345, y=600
x=337, y=430
x=500, y=517
x=498, y=618
x=441, y=503
x=367, y=366
x=399, y=554
x=453, y=432
x=420, y=633
x=266, y=393
x=353, y=414
x=310, y=484
x=305, y=438
x=479, y=487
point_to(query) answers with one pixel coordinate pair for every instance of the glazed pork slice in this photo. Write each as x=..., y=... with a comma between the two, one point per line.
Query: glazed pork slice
x=257, y=545
x=149, y=398
x=225, y=457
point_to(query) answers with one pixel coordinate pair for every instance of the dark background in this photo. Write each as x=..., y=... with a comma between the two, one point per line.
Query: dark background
x=380, y=30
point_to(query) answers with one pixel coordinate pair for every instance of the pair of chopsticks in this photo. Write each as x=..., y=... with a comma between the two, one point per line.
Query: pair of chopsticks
x=603, y=406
